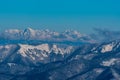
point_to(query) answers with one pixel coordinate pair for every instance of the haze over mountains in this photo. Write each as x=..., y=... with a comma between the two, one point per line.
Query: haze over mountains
x=48, y=55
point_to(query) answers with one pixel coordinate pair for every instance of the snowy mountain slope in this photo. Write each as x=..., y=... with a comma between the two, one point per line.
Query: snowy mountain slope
x=35, y=53
x=85, y=64
x=53, y=61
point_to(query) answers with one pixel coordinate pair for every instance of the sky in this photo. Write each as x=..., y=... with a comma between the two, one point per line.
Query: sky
x=59, y=15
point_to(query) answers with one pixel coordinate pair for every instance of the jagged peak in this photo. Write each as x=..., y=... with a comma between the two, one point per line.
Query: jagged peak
x=28, y=29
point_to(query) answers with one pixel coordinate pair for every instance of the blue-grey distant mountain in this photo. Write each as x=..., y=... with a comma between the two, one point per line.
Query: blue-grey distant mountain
x=45, y=35
x=105, y=35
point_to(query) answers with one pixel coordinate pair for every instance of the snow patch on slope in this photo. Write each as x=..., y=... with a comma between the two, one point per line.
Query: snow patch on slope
x=109, y=62
x=107, y=48
x=11, y=64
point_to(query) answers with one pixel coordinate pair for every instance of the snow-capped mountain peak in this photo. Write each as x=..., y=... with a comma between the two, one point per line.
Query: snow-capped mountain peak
x=30, y=33
x=25, y=48
x=44, y=35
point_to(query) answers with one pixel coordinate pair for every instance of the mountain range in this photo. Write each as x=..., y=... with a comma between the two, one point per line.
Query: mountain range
x=47, y=55
x=45, y=35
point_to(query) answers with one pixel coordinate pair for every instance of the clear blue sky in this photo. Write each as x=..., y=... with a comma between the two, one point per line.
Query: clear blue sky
x=81, y=15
